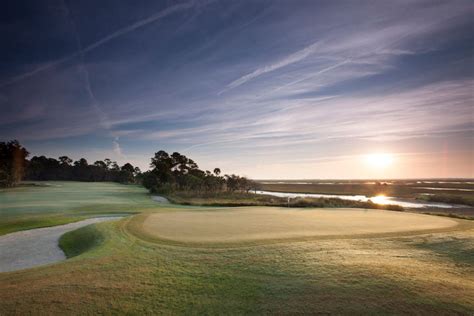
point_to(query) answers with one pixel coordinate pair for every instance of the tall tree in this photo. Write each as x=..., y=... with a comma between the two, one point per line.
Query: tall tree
x=100, y=164
x=65, y=160
x=81, y=163
x=126, y=173
x=12, y=163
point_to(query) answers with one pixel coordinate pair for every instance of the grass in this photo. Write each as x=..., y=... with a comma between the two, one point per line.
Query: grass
x=80, y=240
x=12, y=224
x=402, y=189
x=450, y=199
x=233, y=199
x=408, y=189
x=350, y=276
x=425, y=274
x=251, y=224
x=459, y=249
x=51, y=203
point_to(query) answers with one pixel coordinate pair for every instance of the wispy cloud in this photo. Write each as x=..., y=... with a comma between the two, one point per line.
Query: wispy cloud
x=84, y=72
x=122, y=31
x=393, y=116
x=116, y=147
x=246, y=84
x=288, y=60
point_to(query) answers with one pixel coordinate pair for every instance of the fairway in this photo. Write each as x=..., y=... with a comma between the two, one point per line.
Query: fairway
x=265, y=223
x=50, y=203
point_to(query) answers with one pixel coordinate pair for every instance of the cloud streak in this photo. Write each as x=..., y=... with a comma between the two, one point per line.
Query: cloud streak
x=120, y=32
x=288, y=60
x=247, y=84
x=84, y=72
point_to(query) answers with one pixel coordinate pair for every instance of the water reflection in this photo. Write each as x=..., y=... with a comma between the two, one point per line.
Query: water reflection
x=379, y=199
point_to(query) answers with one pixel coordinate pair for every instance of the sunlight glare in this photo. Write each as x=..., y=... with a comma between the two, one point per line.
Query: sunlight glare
x=380, y=199
x=379, y=160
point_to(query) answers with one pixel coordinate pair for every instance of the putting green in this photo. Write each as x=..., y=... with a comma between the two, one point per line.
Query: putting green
x=264, y=223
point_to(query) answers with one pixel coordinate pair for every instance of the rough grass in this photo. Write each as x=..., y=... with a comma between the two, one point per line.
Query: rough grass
x=80, y=240
x=457, y=247
x=16, y=223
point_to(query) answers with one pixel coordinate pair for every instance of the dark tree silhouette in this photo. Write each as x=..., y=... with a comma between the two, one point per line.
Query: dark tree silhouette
x=12, y=163
x=169, y=173
x=176, y=172
x=65, y=160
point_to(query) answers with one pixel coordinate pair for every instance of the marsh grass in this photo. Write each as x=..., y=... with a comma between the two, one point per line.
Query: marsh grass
x=466, y=199
x=249, y=199
x=402, y=189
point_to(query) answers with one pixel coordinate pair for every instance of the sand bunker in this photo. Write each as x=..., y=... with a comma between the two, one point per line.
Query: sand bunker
x=160, y=199
x=35, y=247
x=262, y=223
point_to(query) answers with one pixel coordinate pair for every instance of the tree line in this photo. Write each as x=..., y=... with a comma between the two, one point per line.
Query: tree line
x=14, y=167
x=178, y=173
x=168, y=173
x=43, y=168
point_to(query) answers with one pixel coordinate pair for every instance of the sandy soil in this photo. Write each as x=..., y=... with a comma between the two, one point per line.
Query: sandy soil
x=35, y=247
x=257, y=223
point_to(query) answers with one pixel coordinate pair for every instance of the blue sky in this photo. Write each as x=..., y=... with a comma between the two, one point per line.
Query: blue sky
x=268, y=89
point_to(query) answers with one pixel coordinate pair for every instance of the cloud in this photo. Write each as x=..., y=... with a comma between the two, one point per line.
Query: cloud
x=155, y=17
x=84, y=72
x=116, y=147
x=288, y=60
x=151, y=19
x=392, y=116
x=375, y=44
x=232, y=83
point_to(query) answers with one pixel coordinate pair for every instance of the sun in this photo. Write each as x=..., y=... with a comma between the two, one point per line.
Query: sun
x=379, y=160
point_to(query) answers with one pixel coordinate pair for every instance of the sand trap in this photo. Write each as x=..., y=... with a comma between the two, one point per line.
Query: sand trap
x=160, y=199
x=262, y=223
x=35, y=247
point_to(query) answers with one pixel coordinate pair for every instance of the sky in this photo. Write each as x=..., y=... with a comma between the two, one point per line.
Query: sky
x=265, y=89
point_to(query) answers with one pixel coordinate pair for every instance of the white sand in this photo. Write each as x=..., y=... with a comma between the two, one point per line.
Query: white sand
x=160, y=199
x=35, y=247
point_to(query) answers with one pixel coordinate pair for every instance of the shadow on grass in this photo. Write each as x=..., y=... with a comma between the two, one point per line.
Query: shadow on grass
x=459, y=250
